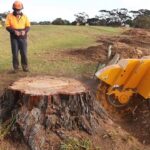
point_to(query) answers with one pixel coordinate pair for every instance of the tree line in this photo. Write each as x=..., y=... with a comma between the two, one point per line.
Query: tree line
x=115, y=17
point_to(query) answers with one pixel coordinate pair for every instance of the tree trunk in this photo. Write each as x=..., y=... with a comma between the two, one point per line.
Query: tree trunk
x=43, y=104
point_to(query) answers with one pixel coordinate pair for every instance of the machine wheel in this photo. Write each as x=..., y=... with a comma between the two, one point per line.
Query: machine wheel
x=109, y=102
x=102, y=98
x=114, y=101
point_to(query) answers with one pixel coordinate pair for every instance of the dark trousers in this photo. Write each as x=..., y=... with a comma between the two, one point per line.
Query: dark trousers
x=16, y=46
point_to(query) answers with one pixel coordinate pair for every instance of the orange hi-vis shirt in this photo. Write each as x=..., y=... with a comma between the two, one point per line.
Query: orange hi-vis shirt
x=17, y=23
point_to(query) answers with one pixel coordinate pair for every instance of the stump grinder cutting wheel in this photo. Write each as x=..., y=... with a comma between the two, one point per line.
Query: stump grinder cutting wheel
x=120, y=79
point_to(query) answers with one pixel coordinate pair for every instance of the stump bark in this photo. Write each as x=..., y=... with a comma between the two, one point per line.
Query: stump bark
x=43, y=104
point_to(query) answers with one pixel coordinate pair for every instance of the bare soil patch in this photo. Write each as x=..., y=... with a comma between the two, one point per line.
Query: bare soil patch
x=131, y=44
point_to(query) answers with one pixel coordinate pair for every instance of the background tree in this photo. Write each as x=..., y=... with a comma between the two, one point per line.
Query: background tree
x=60, y=21
x=103, y=17
x=34, y=23
x=142, y=22
x=115, y=17
x=3, y=15
x=81, y=18
x=44, y=22
x=93, y=21
x=2, y=18
x=66, y=22
x=143, y=19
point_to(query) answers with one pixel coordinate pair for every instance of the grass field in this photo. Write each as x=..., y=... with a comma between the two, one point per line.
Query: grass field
x=47, y=45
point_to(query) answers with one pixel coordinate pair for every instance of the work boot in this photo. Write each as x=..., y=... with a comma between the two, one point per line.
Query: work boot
x=16, y=69
x=25, y=68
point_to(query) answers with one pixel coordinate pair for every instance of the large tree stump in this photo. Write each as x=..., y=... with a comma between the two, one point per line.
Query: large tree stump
x=44, y=104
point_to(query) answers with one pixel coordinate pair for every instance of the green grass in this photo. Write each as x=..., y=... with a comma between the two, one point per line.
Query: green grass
x=47, y=44
x=75, y=144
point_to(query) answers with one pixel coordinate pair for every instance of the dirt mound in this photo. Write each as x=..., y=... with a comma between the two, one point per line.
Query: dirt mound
x=134, y=117
x=134, y=43
x=93, y=53
x=137, y=32
x=137, y=121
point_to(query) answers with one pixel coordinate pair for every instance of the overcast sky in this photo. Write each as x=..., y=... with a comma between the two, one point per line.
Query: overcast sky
x=41, y=10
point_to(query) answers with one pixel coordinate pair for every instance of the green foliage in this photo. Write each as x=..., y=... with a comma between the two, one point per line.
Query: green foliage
x=81, y=18
x=60, y=21
x=3, y=15
x=2, y=18
x=6, y=127
x=76, y=144
x=34, y=23
x=42, y=23
x=115, y=17
x=142, y=22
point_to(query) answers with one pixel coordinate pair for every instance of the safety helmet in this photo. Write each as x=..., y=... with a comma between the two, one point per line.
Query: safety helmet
x=17, y=5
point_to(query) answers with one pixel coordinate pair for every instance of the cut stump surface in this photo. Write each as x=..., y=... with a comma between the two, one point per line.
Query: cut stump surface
x=48, y=86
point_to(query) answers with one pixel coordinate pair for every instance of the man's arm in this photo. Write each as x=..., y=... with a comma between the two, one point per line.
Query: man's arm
x=27, y=29
x=27, y=25
x=9, y=29
x=8, y=26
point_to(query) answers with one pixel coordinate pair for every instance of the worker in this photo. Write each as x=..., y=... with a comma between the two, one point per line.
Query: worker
x=18, y=25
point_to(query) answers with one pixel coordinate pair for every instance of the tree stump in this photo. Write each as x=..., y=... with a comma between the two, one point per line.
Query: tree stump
x=43, y=104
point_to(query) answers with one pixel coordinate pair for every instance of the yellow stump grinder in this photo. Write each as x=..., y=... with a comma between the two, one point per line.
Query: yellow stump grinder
x=123, y=78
